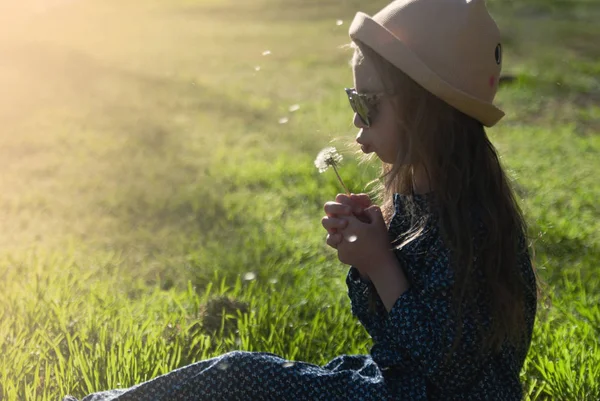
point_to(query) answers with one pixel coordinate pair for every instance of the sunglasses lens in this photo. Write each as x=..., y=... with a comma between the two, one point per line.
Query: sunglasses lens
x=363, y=112
x=359, y=108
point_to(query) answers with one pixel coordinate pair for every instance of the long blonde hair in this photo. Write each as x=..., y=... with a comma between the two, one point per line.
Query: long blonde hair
x=464, y=170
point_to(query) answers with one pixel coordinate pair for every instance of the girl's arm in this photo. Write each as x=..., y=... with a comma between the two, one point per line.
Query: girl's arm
x=359, y=292
x=416, y=325
x=390, y=280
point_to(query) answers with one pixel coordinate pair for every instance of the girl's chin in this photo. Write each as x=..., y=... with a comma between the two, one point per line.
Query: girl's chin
x=385, y=160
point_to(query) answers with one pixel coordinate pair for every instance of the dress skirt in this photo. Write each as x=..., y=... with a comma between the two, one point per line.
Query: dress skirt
x=258, y=376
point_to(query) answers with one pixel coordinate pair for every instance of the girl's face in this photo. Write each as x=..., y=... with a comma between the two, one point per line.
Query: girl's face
x=383, y=137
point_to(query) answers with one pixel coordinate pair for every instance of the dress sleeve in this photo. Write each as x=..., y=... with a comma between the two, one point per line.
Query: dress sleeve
x=417, y=328
x=358, y=292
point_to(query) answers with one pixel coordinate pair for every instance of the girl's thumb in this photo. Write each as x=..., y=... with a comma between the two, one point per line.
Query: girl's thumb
x=362, y=199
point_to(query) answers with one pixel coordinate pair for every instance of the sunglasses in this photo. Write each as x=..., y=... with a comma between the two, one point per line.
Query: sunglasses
x=363, y=104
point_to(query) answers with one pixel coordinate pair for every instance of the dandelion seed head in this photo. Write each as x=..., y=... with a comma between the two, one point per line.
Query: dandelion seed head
x=327, y=157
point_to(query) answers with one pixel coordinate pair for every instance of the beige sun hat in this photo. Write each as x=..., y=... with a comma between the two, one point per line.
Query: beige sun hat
x=449, y=47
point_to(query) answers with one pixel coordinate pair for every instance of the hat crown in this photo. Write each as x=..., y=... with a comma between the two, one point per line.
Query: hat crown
x=457, y=39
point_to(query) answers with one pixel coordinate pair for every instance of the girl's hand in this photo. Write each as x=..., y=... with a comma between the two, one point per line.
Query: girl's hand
x=344, y=205
x=365, y=245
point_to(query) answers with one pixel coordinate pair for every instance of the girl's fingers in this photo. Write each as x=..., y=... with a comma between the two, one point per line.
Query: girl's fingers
x=335, y=221
x=356, y=202
x=333, y=209
x=333, y=240
x=332, y=224
x=362, y=199
x=343, y=198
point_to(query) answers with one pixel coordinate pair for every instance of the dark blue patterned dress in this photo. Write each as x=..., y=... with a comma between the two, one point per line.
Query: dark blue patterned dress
x=405, y=362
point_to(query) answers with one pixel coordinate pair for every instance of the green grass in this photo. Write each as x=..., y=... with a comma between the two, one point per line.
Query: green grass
x=155, y=212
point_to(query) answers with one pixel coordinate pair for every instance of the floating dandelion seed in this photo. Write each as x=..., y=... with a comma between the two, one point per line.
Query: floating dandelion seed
x=288, y=364
x=352, y=238
x=249, y=276
x=294, y=107
x=273, y=281
x=339, y=22
x=330, y=157
x=266, y=52
x=283, y=120
x=257, y=68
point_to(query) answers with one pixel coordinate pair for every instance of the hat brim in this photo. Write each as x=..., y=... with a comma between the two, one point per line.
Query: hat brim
x=389, y=46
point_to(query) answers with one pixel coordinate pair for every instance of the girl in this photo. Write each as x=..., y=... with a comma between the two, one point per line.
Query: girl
x=440, y=275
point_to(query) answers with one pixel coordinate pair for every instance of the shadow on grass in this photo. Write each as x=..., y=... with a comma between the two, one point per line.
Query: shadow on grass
x=553, y=52
x=564, y=258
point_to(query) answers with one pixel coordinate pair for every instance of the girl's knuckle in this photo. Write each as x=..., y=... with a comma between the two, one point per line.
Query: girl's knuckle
x=330, y=242
x=342, y=198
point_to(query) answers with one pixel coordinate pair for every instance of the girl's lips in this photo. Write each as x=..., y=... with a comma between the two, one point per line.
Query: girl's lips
x=365, y=149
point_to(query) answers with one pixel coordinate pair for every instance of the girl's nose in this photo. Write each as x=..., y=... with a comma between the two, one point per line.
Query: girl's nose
x=359, y=137
x=358, y=123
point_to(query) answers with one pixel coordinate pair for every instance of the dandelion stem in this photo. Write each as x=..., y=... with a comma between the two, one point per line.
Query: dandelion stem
x=340, y=179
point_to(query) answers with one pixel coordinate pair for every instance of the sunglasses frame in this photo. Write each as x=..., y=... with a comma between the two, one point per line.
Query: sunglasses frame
x=363, y=103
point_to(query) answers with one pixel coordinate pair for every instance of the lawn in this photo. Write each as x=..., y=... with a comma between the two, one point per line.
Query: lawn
x=159, y=202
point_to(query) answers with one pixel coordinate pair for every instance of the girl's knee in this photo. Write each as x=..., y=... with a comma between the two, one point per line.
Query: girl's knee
x=236, y=356
x=235, y=361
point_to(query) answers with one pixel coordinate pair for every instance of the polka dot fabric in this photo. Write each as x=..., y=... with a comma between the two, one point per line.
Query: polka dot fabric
x=405, y=361
x=412, y=337
x=241, y=375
